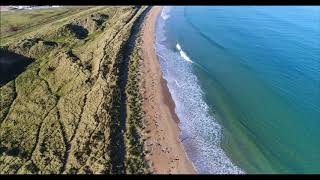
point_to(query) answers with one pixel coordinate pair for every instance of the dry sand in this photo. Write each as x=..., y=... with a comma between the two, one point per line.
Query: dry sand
x=167, y=154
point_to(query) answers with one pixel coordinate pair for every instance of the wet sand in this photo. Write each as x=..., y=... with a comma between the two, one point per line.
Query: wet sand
x=167, y=154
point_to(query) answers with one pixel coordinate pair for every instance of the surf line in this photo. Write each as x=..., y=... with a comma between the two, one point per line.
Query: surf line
x=183, y=54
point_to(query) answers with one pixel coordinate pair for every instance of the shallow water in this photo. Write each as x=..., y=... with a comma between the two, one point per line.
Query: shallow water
x=246, y=81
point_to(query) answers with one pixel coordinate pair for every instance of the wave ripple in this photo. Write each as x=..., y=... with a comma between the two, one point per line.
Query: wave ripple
x=200, y=133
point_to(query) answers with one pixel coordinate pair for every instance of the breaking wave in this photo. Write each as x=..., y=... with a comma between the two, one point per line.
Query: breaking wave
x=183, y=54
x=165, y=13
x=200, y=133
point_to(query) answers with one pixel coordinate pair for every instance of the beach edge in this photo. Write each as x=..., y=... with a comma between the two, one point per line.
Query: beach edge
x=166, y=152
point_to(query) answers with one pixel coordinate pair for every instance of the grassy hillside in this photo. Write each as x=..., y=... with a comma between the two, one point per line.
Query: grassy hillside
x=77, y=107
x=17, y=22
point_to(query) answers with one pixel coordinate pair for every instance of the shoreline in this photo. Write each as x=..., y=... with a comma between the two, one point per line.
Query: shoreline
x=166, y=152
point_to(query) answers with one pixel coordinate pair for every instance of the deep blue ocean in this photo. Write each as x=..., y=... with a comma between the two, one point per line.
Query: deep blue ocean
x=246, y=83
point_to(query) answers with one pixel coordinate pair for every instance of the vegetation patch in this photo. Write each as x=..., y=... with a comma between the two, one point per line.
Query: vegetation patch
x=76, y=108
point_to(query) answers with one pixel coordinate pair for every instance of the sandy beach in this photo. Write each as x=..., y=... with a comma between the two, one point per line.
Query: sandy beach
x=167, y=154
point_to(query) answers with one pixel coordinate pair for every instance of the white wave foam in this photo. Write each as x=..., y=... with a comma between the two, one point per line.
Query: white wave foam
x=178, y=47
x=177, y=83
x=200, y=131
x=165, y=13
x=183, y=54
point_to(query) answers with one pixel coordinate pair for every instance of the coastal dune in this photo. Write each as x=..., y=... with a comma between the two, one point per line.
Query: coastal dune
x=90, y=98
x=167, y=154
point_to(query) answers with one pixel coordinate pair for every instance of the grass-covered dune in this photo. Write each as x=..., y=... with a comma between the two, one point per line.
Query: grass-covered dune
x=77, y=107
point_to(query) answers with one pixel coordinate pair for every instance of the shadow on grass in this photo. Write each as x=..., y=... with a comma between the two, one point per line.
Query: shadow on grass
x=79, y=31
x=118, y=124
x=11, y=65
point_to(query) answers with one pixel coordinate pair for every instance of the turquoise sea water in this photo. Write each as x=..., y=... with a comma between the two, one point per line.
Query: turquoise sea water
x=246, y=82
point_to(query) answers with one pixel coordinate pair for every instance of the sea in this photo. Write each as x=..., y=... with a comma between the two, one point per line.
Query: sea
x=246, y=84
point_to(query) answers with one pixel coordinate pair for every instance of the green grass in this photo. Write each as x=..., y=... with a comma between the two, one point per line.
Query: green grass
x=62, y=114
x=20, y=21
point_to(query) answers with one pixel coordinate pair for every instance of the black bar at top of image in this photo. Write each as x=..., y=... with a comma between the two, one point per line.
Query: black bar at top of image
x=160, y=2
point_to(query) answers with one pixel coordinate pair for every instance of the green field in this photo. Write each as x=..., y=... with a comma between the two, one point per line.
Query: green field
x=15, y=23
x=77, y=107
